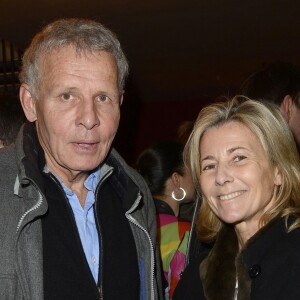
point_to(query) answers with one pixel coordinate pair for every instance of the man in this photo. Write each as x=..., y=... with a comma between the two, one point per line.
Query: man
x=278, y=83
x=76, y=221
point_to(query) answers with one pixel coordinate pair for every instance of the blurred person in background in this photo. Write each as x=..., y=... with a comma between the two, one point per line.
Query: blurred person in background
x=278, y=83
x=11, y=118
x=171, y=184
x=182, y=135
x=183, y=131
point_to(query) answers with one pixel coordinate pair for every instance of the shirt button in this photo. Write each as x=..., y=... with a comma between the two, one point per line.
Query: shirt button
x=94, y=259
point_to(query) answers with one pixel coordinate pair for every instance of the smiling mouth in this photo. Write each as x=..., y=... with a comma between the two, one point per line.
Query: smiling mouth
x=231, y=195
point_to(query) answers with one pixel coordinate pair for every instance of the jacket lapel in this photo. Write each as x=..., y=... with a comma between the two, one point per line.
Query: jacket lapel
x=218, y=270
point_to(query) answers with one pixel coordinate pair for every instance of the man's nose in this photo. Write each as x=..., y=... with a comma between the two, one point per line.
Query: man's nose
x=87, y=114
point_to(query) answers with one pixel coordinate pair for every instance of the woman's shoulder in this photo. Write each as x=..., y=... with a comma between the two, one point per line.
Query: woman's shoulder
x=275, y=241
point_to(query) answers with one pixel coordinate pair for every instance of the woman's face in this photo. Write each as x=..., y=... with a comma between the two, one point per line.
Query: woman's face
x=236, y=178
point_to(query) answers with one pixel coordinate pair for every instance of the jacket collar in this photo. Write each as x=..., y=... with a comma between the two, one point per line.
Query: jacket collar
x=30, y=156
x=124, y=184
x=31, y=160
x=162, y=207
x=219, y=269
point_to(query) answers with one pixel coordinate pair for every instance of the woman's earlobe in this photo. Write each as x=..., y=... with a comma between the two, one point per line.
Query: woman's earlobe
x=277, y=177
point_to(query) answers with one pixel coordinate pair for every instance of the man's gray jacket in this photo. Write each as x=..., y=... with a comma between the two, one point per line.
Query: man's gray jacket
x=22, y=205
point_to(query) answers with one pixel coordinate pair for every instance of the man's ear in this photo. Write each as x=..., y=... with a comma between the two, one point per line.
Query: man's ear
x=28, y=103
x=286, y=106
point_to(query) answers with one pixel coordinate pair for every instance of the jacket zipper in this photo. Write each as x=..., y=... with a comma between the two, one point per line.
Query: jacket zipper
x=100, y=276
x=33, y=208
x=135, y=222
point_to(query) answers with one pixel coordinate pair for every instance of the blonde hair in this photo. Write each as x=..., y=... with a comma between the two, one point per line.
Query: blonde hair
x=268, y=125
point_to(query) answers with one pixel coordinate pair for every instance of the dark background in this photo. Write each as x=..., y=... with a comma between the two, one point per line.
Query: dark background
x=182, y=53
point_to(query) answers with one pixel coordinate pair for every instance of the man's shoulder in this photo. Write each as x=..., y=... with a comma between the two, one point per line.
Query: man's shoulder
x=126, y=174
x=117, y=161
x=8, y=157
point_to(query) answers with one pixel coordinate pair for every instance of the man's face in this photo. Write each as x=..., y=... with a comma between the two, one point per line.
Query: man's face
x=77, y=110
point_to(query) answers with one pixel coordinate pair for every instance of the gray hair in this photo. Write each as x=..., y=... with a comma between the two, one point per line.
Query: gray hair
x=83, y=35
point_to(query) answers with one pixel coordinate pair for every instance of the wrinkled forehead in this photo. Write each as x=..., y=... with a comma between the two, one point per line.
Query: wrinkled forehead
x=60, y=57
x=66, y=61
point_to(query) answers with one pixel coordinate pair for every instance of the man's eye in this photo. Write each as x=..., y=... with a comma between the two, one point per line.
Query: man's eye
x=66, y=96
x=103, y=98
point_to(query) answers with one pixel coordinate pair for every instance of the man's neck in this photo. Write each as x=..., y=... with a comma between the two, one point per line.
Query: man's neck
x=73, y=181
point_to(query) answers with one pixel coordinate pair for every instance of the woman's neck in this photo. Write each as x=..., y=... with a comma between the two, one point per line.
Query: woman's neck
x=245, y=231
x=172, y=203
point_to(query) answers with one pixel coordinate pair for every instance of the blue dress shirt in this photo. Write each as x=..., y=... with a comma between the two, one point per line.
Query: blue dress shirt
x=85, y=221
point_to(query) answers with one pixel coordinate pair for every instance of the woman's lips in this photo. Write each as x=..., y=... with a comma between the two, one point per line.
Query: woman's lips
x=230, y=195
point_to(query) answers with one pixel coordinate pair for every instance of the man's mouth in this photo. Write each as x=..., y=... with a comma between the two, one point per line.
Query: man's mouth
x=85, y=144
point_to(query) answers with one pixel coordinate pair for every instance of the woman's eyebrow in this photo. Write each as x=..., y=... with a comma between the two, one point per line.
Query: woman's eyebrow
x=230, y=150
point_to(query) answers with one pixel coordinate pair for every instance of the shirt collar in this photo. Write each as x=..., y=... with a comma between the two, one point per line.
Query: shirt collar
x=90, y=183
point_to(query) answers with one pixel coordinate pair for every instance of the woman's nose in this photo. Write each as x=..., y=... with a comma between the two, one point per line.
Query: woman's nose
x=223, y=174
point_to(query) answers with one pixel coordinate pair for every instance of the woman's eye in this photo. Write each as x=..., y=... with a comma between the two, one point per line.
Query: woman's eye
x=239, y=158
x=208, y=167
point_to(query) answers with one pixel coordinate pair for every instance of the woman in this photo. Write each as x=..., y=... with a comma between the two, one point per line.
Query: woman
x=245, y=164
x=171, y=184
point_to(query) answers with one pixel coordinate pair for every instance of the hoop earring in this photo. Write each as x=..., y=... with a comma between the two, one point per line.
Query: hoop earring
x=183, y=195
